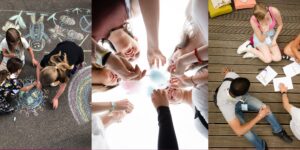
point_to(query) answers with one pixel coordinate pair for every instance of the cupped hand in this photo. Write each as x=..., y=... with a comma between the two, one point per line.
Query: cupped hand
x=125, y=105
x=264, y=111
x=159, y=98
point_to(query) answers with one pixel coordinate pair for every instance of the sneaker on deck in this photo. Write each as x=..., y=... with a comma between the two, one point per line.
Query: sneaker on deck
x=249, y=55
x=283, y=136
x=243, y=48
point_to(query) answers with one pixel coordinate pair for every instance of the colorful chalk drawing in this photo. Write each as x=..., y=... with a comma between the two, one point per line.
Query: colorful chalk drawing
x=30, y=102
x=79, y=95
x=85, y=23
x=18, y=20
x=75, y=24
x=37, y=37
x=61, y=33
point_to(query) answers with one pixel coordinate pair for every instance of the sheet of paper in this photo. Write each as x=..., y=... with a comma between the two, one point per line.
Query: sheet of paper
x=287, y=81
x=266, y=75
x=291, y=69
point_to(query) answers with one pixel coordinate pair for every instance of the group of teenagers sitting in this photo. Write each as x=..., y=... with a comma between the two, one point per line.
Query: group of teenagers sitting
x=232, y=97
x=54, y=69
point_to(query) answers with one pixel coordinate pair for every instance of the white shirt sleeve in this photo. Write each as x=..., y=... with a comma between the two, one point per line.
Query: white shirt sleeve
x=3, y=44
x=25, y=43
x=232, y=75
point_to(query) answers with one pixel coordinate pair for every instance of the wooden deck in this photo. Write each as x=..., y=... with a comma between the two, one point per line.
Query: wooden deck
x=226, y=33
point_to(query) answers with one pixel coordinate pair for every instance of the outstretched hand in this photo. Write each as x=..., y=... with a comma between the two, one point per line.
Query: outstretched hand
x=282, y=88
x=159, y=98
x=155, y=58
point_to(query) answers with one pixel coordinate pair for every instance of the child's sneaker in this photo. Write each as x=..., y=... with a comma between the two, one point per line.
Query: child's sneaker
x=243, y=48
x=285, y=57
x=249, y=55
x=54, y=84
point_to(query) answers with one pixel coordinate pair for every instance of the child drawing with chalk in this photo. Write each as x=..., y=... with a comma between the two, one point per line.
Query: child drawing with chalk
x=13, y=46
x=11, y=85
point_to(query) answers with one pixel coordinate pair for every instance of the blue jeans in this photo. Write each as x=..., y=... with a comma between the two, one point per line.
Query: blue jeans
x=254, y=105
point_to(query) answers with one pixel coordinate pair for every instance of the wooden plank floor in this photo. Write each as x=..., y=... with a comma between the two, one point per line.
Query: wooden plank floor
x=226, y=33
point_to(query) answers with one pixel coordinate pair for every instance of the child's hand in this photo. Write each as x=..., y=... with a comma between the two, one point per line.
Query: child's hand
x=55, y=103
x=38, y=85
x=34, y=83
x=34, y=62
x=12, y=55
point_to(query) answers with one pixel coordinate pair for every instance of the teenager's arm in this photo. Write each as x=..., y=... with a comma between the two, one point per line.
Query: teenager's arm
x=38, y=70
x=34, y=61
x=59, y=92
x=285, y=100
x=256, y=30
x=278, y=19
x=167, y=137
x=241, y=129
x=286, y=104
x=101, y=106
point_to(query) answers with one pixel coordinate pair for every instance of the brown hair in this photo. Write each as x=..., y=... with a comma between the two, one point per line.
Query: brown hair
x=12, y=37
x=14, y=64
x=260, y=10
x=57, y=71
x=3, y=75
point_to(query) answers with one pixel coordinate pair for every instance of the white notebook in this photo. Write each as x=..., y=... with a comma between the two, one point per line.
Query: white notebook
x=287, y=81
x=291, y=69
x=266, y=75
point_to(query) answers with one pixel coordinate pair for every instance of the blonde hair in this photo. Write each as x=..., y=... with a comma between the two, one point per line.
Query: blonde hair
x=56, y=71
x=260, y=10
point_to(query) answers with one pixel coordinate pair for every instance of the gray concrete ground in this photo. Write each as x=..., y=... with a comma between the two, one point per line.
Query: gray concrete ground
x=50, y=128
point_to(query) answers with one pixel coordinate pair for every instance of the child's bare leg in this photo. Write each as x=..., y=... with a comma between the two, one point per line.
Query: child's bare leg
x=275, y=53
x=263, y=53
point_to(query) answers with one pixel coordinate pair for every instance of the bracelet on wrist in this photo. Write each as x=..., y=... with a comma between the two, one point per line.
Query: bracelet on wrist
x=194, y=83
x=283, y=93
x=113, y=106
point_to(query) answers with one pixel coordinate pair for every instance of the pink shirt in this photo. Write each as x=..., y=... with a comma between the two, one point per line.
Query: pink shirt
x=271, y=25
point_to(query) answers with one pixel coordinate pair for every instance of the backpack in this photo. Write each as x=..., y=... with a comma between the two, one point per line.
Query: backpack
x=217, y=90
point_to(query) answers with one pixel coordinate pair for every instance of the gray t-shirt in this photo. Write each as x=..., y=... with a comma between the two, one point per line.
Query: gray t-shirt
x=225, y=101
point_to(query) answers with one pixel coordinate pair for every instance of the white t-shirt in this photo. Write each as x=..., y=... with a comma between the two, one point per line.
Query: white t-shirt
x=225, y=101
x=98, y=134
x=199, y=15
x=295, y=122
x=200, y=101
x=18, y=51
